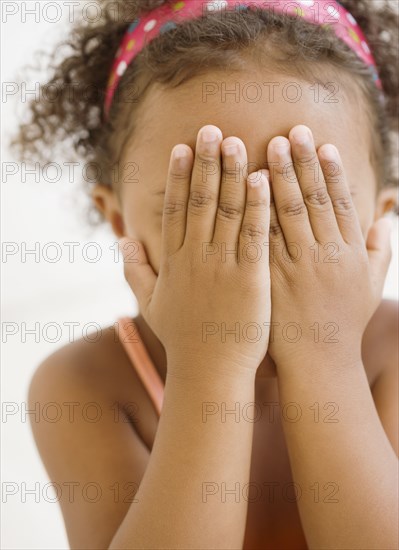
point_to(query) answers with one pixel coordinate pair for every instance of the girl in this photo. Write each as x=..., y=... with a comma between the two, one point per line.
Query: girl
x=245, y=160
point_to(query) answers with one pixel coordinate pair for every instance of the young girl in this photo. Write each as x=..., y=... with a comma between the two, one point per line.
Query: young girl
x=246, y=165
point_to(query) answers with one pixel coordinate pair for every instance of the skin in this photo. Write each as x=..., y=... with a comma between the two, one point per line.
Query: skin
x=169, y=243
x=136, y=209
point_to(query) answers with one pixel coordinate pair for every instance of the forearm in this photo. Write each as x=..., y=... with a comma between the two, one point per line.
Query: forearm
x=347, y=470
x=196, y=457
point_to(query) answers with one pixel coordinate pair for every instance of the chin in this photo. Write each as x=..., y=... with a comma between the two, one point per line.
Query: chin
x=267, y=368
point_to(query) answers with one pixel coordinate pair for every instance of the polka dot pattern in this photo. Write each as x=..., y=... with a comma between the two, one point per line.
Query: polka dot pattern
x=300, y=12
x=130, y=44
x=351, y=19
x=167, y=27
x=326, y=13
x=133, y=26
x=217, y=5
x=150, y=25
x=333, y=12
x=365, y=47
x=121, y=68
x=354, y=35
x=178, y=6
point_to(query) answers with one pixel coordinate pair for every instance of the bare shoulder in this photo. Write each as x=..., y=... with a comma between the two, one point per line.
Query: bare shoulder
x=91, y=373
x=386, y=318
x=381, y=340
x=383, y=349
x=96, y=429
x=85, y=366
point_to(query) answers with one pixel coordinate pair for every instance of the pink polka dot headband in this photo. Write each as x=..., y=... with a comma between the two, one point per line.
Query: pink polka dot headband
x=165, y=17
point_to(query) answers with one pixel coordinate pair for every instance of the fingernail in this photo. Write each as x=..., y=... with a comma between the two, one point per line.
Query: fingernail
x=209, y=135
x=256, y=179
x=329, y=152
x=281, y=145
x=230, y=149
x=179, y=152
x=301, y=136
x=180, y=157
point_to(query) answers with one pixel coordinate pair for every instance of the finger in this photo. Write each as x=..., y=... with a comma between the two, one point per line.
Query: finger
x=231, y=206
x=338, y=189
x=288, y=200
x=313, y=185
x=175, y=202
x=276, y=236
x=205, y=183
x=138, y=272
x=254, y=233
x=378, y=246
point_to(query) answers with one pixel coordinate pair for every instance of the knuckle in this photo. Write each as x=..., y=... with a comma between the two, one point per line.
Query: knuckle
x=172, y=207
x=258, y=204
x=205, y=154
x=200, y=199
x=206, y=168
x=317, y=197
x=343, y=205
x=275, y=229
x=203, y=158
x=292, y=208
x=228, y=211
x=177, y=177
x=253, y=230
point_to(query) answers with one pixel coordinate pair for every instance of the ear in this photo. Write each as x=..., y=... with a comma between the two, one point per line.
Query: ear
x=387, y=201
x=106, y=201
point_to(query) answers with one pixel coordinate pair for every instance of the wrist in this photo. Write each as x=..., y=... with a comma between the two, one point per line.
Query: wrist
x=209, y=369
x=208, y=387
x=305, y=344
x=319, y=360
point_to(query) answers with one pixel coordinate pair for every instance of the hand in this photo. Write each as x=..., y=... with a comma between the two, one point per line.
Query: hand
x=203, y=290
x=329, y=282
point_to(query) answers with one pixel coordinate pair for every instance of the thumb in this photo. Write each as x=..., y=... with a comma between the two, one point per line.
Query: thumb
x=138, y=272
x=378, y=245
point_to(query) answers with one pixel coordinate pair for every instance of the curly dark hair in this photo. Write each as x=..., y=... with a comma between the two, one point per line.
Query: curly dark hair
x=193, y=48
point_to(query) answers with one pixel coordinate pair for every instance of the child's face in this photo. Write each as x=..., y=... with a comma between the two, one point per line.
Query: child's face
x=242, y=105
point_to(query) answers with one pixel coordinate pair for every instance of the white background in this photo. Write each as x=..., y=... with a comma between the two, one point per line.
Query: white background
x=44, y=292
